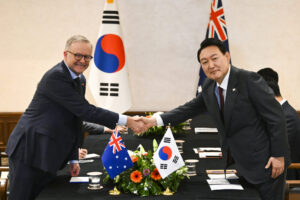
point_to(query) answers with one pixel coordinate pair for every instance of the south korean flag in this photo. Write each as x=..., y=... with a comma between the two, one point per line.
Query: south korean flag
x=167, y=158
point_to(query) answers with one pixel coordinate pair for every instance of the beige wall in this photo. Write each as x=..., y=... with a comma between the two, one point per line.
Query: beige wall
x=161, y=39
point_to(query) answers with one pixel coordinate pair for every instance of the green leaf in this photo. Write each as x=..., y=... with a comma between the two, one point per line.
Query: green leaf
x=155, y=145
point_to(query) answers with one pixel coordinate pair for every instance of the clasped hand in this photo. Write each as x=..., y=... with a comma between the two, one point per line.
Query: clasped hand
x=140, y=124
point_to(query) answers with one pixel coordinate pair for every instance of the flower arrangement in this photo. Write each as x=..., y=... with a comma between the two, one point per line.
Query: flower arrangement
x=160, y=130
x=143, y=178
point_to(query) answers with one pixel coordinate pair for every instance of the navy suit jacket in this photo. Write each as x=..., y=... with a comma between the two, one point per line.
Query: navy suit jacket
x=293, y=131
x=46, y=136
x=254, y=124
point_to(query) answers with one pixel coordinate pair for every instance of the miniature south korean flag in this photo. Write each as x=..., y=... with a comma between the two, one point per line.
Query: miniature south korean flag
x=167, y=158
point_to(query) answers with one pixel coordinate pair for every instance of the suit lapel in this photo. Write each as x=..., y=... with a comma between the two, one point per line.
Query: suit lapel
x=82, y=79
x=231, y=95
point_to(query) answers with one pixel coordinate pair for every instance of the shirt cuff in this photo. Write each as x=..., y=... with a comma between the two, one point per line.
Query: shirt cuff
x=74, y=161
x=159, y=121
x=122, y=120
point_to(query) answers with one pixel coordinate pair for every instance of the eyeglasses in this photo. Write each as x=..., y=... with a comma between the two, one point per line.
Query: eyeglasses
x=79, y=56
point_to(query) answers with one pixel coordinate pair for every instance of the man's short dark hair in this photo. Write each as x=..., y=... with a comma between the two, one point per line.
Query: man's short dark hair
x=268, y=74
x=275, y=87
x=211, y=42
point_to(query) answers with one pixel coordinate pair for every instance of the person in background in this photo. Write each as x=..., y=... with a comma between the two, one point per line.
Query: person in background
x=250, y=121
x=46, y=136
x=292, y=120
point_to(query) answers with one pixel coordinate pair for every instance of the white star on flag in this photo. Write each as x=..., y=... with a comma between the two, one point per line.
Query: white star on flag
x=167, y=158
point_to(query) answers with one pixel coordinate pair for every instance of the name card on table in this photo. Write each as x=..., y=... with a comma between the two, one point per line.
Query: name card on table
x=226, y=187
x=206, y=149
x=205, y=130
x=79, y=179
x=210, y=154
x=219, y=174
x=218, y=180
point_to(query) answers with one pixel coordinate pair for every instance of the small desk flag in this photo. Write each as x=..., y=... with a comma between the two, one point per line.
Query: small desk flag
x=216, y=29
x=108, y=77
x=167, y=158
x=115, y=157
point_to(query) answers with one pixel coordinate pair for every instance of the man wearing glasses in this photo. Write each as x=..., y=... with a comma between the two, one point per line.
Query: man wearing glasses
x=46, y=136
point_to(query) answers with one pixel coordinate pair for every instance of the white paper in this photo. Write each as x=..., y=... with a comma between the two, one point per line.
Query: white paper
x=219, y=181
x=4, y=174
x=86, y=161
x=210, y=154
x=222, y=176
x=79, y=179
x=195, y=150
x=209, y=149
x=91, y=155
x=205, y=130
x=226, y=187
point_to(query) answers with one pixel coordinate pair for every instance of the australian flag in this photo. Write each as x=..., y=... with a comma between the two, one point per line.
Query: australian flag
x=115, y=157
x=216, y=29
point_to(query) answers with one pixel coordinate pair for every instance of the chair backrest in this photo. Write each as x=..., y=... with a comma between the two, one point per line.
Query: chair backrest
x=3, y=183
x=292, y=191
x=3, y=188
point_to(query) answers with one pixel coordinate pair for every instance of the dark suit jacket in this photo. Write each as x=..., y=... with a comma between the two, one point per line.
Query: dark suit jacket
x=293, y=131
x=92, y=128
x=254, y=124
x=46, y=136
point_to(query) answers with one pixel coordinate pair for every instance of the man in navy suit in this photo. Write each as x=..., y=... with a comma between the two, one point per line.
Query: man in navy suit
x=292, y=120
x=46, y=136
x=250, y=121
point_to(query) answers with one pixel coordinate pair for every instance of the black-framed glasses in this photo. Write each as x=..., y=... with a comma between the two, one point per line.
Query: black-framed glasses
x=79, y=56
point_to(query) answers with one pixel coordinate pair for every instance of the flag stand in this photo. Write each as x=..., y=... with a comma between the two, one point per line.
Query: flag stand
x=114, y=192
x=168, y=192
x=168, y=126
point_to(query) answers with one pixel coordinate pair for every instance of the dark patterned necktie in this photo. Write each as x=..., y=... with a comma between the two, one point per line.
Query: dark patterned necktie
x=78, y=85
x=220, y=90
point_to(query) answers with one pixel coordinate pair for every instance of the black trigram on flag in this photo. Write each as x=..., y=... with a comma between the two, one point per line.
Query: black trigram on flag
x=109, y=89
x=163, y=166
x=175, y=159
x=167, y=140
x=110, y=17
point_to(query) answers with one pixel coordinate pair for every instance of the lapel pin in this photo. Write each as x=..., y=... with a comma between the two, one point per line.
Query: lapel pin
x=233, y=89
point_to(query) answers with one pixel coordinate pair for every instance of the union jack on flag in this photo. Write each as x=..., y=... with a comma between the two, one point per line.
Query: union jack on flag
x=216, y=29
x=116, y=142
x=115, y=157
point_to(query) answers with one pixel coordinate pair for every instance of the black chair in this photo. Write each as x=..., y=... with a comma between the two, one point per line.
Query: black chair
x=292, y=191
x=3, y=183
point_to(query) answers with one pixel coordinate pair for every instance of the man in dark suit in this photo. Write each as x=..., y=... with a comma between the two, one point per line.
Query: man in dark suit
x=292, y=120
x=46, y=136
x=249, y=120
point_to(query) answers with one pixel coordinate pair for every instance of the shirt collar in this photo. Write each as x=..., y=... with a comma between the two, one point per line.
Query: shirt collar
x=224, y=83
x=73, y=74
x=282, y=101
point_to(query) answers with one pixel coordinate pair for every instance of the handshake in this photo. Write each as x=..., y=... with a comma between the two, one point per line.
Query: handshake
x=140, y=124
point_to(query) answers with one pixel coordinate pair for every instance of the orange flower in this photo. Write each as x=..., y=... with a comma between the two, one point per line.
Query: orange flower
x=155, y=175
x=136, y=176
x=134, y=158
